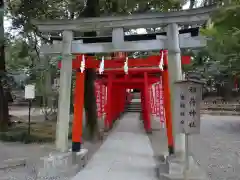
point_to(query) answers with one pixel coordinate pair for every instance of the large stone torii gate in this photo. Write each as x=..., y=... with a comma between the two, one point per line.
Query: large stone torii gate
x=172, y=40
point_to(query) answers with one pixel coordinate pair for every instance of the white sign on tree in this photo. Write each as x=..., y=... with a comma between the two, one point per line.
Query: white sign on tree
x=30, y=91
x=187, y=109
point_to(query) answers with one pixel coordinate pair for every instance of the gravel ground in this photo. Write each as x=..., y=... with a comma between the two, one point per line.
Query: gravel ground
x=217, y=148
x=33, y=153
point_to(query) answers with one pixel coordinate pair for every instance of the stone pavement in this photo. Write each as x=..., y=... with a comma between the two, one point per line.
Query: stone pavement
x=126, y=154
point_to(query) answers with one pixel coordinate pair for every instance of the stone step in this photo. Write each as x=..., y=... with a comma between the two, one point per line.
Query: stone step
x=134, y=107
x=136, y=111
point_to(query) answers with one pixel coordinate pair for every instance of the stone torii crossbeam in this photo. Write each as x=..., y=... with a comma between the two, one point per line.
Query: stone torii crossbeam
x=172, y=41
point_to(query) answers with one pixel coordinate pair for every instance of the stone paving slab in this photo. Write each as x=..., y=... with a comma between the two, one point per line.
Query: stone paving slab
x=126, y=154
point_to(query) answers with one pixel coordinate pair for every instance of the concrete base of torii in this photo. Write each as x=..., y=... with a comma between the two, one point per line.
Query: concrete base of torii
x=172, y=168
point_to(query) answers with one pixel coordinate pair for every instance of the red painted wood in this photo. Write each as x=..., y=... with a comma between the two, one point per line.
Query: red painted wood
x=147, y=123
x=186, y=59
x=77, y=128
x=130, y=86
x=134, y=81
x=167, y=104
x=108, y=118
x=150, y=61
x=143, y=106
x=131, y=71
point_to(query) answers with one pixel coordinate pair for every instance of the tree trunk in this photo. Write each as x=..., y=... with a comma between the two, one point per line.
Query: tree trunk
x=4, y=114
x=91, y=10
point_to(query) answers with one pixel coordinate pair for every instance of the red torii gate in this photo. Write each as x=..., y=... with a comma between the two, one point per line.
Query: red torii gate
x=141, y=74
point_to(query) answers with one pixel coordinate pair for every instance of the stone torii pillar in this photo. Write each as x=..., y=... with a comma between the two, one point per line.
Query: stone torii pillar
x=64, y=93
x=175, y=73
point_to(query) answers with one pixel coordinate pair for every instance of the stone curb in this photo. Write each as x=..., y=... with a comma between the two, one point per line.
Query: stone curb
x=221, y=113
x=13, y=163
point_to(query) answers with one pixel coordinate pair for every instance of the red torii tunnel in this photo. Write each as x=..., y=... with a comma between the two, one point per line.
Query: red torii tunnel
x=142, y=74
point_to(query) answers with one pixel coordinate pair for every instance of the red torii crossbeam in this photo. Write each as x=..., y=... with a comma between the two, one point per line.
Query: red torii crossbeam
x=151, y=61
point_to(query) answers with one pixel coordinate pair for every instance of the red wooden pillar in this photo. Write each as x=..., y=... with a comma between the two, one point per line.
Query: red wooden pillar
x=121, y=100
x=147, y=104
x=108, y=118
x=78, y=113
x=113, y=102
x=142, y=106
x=115, y=98
x=167, y=104
x=118, y=101
x=124, y=97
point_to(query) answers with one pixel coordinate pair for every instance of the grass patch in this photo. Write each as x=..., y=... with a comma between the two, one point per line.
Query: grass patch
x=40, y=133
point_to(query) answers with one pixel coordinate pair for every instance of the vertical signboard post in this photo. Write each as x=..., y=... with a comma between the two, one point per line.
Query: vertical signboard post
x=29, y=95
x=187, y=111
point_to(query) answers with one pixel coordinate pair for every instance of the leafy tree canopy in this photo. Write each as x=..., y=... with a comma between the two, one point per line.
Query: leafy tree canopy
x=224, y=35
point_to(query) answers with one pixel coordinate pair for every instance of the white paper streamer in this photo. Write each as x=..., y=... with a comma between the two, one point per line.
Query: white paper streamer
x=126, y=66
x=82, y=68
x=101, y=68
x=161, y=62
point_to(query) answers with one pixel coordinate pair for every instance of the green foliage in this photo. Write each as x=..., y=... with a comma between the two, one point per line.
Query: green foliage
x=17, y=55
x=219, y=62
x=224, y=43
x=40, y=133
